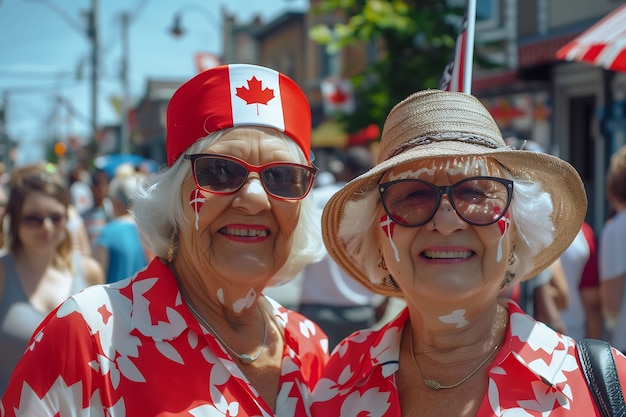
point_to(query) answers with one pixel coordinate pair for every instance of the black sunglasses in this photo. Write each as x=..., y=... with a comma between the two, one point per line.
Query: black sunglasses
x=34, y=221
x=479, y=201
x=222, y=174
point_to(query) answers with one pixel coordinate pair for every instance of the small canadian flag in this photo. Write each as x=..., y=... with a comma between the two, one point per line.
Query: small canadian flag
x=338, y=95
x=205, y=61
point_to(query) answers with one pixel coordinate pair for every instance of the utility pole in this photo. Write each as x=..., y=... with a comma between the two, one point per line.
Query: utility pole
x=5, y=144
x=92, y=34
x=125, y=134
x=90, y=30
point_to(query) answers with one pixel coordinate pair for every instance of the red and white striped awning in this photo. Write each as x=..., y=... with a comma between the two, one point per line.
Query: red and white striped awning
x=603, y=44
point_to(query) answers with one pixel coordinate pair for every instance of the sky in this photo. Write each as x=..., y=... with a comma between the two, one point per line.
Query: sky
x=45, y=55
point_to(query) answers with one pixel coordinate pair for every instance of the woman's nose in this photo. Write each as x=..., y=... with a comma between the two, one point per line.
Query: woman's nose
x=446, y=220
x=252, y=196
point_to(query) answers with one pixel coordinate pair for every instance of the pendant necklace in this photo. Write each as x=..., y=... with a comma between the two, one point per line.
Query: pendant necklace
x=243, y=357
x=436, y=385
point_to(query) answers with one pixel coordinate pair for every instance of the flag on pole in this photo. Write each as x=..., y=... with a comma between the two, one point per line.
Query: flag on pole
x=453, y=75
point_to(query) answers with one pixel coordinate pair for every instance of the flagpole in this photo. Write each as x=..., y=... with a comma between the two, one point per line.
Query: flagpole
x=469, y=47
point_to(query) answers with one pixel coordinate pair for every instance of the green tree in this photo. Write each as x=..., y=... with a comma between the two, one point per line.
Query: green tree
x=415, y=37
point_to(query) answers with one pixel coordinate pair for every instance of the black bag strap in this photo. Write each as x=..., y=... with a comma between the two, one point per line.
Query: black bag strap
x=598, y=366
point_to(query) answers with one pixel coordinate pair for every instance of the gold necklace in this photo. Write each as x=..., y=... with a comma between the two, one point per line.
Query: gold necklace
x=436, y=385
x=243, y=357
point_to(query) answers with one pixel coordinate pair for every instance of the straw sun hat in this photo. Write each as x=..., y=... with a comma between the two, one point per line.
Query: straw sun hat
x=433, y=124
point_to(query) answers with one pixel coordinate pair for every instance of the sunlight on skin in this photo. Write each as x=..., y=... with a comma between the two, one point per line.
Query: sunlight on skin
x=456, y=317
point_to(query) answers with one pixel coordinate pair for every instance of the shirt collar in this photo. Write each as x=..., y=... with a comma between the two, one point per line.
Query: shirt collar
x=157, y=308
x=525, y=337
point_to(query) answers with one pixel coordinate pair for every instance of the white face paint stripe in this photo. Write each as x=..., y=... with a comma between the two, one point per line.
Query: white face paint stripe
x=388, y=223
x=255, y=187
x=507, y=222
x=246, y=302
x=456, y=317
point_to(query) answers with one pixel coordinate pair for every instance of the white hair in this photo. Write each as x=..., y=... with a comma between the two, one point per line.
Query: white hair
x=124, y=185
x=531, y=213
x=159, y=212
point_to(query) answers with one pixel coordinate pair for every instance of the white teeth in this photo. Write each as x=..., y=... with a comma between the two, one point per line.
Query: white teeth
x=246, y=232
x=438, y=254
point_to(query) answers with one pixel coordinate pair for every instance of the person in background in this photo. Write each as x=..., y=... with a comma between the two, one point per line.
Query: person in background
x=3, y=190
x=337, y=303
x=118, y=247
x=448, y=217
x=101, y=212
x=40, y=268
x=613, y=253
x=583, y=316
x=193, y=333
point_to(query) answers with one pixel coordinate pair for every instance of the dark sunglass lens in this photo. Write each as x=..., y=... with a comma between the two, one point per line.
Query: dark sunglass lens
x=410, y=202
x=218, y=174
x=481, y=201
x=56, y=218
x=287, y=181
x=38, y=221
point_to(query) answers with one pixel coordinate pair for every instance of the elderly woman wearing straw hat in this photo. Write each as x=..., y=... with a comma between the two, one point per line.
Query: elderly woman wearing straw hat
x=448, y=217
x=192, y=333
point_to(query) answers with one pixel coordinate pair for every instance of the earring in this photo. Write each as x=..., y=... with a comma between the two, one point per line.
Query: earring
x=382, y=264
x=434, y=225
x=390, y=282
x=170, y=250
x=512, y=258
x=508, y=278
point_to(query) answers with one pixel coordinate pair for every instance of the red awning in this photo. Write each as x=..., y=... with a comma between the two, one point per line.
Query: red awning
x=604, y=44
x=541, y=52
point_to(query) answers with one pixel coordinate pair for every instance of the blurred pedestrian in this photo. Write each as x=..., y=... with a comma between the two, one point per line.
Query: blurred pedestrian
x=612, y=252
x=101, y=212
x=583, y=315
x=40, y=268
x=333, y=300
x=118, y=247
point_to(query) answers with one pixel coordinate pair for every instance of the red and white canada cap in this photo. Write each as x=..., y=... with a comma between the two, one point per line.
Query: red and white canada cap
x=236, y=95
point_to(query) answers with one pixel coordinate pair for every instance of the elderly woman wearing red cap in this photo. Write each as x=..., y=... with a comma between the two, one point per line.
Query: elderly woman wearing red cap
x=447, y=218
x=192, y=333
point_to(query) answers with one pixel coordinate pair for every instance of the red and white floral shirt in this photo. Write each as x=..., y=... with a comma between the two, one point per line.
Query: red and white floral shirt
x=134, y=349
x=534, y=374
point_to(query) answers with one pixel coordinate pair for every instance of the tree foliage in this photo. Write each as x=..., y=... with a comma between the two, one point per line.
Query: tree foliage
x=415, y=39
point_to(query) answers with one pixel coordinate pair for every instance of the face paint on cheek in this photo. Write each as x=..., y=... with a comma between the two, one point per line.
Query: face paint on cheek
x=196, y=201
x=246, y=302
x=388, y=225
x=220, y=296
x=504, y=224
x=456, y=317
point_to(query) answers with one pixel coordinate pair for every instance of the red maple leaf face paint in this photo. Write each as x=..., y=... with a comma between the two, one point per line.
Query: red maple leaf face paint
x=196, y=201
x=504, y=223
x=387, y=225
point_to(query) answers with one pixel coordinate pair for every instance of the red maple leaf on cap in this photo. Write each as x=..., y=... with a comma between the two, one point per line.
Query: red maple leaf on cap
x=255, y=94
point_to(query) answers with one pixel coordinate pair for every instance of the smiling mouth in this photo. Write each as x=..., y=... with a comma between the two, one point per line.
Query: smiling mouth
x=244, y=232
x=438, y=254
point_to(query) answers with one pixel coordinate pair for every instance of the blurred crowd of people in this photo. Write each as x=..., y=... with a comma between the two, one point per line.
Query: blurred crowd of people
x=61, y=232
